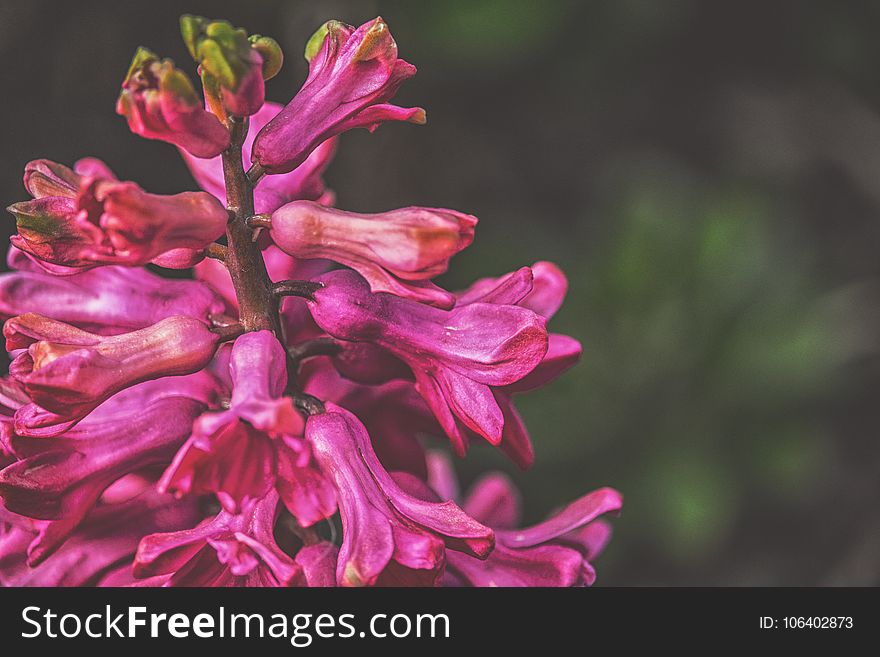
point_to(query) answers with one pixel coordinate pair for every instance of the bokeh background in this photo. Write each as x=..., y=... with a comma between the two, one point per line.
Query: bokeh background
x=708, y=175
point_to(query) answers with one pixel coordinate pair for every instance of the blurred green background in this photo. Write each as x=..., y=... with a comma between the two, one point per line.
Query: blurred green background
x=708, y=175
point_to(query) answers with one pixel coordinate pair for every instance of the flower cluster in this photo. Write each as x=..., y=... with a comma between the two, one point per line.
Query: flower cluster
x=265, y=421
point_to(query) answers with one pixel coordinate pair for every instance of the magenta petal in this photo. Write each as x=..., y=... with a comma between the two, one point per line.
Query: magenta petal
x=494, y=501
x=578, y=513
x=227, y=550
x=382, y=522
x=107, y=299
x=563, y=353
x=507, y=290
x=544, y=565
x=354, y=71
x=106, y=221
x=159, y=102
x=109, y=536
x=548, y=291
x=69, y=372
x=396, y=251
x=318, y=562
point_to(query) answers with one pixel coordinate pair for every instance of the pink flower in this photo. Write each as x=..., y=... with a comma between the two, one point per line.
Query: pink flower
x=227, y=550
x=105, y=300
x=107, y=537
x=540, y=288
x=304, y=182
x=390, y=537
x=69, y=372
x=160, y=102
x=393, y=413
x=556, y=552
x=82, y=221
x=352, y=75
x=457, y=356
x=397, y=251
x=61, y=479
x=242, y=453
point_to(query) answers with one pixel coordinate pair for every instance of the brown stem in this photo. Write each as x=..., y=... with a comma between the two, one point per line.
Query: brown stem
x=260, y=221
x=257, y=307
x=255, y=174
x=293, y=288
x=216, y=251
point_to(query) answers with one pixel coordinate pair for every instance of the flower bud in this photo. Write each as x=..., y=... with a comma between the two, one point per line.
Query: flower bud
x=80, y=222
x=229, y=60
x=352, y=75
x=161, y=103
x=69, y=372
x=396, y=251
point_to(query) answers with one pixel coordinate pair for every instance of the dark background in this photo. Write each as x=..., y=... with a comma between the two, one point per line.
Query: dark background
x=708, y=174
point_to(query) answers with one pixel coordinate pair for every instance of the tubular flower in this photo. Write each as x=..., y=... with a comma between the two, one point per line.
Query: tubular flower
x=206, y=429
x=391, y=537
x=160, y=102
x=456, y=356
x=353, y=73
x=68, y=372
x=556, y=552
x=81, y=221
x=396, y=251
x=104, y=300
x=393, y=413
x=544, y=296
x=226, y=550
x=242, y=453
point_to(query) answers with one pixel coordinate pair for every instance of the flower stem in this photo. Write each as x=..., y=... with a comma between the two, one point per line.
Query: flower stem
x=216, y=251
x=257, y=306
x=293, y=288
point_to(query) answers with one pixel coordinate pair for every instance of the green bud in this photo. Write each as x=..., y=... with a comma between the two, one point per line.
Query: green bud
x=142, y=57
x=220, y=49
x=270, y=51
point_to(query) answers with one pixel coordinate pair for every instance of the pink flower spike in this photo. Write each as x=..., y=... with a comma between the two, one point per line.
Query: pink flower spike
x=94, y=221
x=390, y=537
x=352, y=75
x=160, y=102
x=391, y=250
x=69, y=372
x=457, y=356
